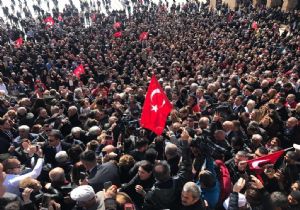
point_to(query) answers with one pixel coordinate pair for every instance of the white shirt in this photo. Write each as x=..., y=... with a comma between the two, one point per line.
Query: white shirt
x=12, y=181
x=58, y=148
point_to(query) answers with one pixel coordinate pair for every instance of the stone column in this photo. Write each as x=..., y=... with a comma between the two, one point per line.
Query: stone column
x=256, y=2
x=289, y=5
x=232, y=4
x=274, y=3
x=213, y=4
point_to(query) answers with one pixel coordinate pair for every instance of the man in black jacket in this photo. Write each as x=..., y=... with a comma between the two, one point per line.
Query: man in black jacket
x=166, y=191
x=54, y=146
x=99, y=174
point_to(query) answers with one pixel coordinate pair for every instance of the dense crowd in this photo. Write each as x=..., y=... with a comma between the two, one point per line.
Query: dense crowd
x=75, y=142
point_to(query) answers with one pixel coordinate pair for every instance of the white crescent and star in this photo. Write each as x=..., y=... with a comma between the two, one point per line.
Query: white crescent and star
x=256, y=163
x=155, y=107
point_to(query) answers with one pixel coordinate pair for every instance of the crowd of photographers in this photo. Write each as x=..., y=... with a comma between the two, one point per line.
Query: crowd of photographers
x=74, y=142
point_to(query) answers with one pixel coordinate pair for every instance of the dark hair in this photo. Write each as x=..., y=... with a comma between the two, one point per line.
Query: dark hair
x=151, y=155
x=89, y=156
x=263, y=150
x=279, y=199
x=55, y=133
x=207, y=179
x=73, y=153
x=146, y=165
x=140, y=143
x=254, y=197
x=162, y=174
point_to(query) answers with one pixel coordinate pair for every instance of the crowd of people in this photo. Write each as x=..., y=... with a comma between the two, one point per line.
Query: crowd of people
x=72, y=141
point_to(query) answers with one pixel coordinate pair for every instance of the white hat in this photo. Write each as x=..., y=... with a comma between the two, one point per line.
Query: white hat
x=242, y=201
x=296, y=146
x=82, y=193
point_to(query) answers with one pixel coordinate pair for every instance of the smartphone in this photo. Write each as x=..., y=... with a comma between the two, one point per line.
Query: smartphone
x=128, y=206
x=107, y=185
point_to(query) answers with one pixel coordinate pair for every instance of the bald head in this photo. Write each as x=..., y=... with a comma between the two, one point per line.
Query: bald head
x=228, y=126
x=57, y=175
x=291, y=122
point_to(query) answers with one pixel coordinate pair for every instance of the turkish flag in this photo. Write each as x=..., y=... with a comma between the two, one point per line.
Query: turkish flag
x=144, y=36
x=156, y=108
x=117, y=25
x=19, y=42
x=118, y=34
x=49, y=21
x=255, y=164
x=60, y=19
x=254, y=25
x=79, y=70
x=94, y=17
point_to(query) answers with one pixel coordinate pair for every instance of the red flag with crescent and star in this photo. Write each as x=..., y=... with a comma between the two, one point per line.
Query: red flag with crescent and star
x=118, y=34
x=19, y=42
x=144, y=36
x=256, y=164
x=79, y=70
x=117, y=25
x=49, y=21
x=156, y=108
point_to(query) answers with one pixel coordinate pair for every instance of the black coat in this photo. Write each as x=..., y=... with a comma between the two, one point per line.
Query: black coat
x=199, y=205
x=166, y=195
x=50, y=153
x=130, y=189
x=103, y=173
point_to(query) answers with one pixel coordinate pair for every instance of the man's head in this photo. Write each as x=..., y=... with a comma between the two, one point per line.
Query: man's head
x=4, y=124
x=162, y=171
x=228, y=126
x=76, y=132
x=57, y=175
x=12, y=166
x=219, y=135
x=238, y=100
x=240, y=157
x=260, y=151
x=72, y=111
x=171, y=151
x=24, y=131
x=291, y=122
x=190, y=194
x=141, y=145
x=207, y=179
x=54, y=138
x=88, y=159
x=256, y=139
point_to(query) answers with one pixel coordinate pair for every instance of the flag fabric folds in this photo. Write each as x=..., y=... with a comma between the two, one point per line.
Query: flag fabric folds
x=144, y=36
x=256, y=164
x=79, y=70
x=19, y=42
x=49, y=21
x=156, y=108
x=117, y=25
x=254, y=25
x=60, y=19
x=118, y=34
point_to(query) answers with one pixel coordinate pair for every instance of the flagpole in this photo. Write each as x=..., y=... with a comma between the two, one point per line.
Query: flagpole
x=287, y=149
